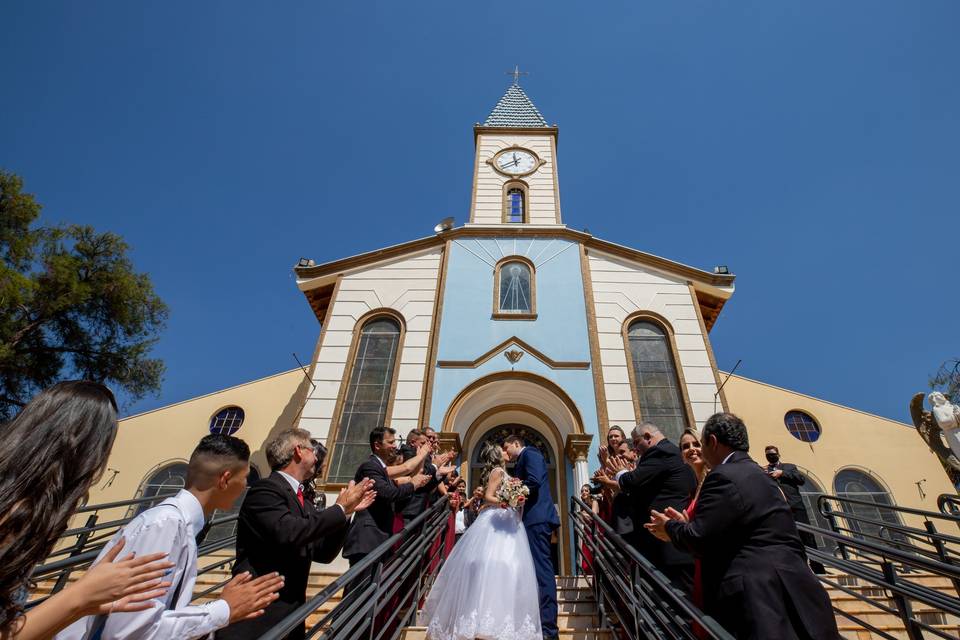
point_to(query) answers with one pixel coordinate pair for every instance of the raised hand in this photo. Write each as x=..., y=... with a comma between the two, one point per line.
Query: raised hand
x=679, y=516
x=354, y=495
x=420, y=479
x=424, y=450
x=123, y=586
x=368, y=497
x=616, y=464
x=248, y=598
x=658, y=525
x=446, y=469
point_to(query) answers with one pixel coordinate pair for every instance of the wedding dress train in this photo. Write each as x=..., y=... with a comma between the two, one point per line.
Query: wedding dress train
x=487, y=588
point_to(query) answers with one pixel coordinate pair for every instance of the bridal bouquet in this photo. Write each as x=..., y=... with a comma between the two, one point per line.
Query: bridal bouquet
x=512, y=493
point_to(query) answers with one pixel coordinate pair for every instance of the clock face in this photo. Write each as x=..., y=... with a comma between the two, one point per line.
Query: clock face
x=515, y=162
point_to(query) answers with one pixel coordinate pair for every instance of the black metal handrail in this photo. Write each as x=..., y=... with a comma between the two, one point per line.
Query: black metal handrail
x=86, y=542
x=891, y=573
x=949, y=504
x=382, y=592
x=103, y=506
x=926, y=541
x=628, y=587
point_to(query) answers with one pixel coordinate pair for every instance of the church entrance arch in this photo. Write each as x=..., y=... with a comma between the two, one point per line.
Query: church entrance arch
x=537, y=409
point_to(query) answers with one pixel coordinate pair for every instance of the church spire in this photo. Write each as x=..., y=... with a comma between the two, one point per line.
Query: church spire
x=515, y=110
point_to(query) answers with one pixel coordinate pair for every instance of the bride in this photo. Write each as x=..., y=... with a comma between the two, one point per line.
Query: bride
x=488, y=586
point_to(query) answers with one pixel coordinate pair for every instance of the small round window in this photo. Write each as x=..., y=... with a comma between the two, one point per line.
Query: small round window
x=227, y=421
x=801, y=426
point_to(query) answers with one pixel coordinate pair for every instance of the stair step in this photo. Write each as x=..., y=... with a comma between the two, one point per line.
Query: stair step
x=420, y=633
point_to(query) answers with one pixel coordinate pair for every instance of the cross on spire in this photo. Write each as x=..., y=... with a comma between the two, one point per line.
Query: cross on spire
x=516, y=73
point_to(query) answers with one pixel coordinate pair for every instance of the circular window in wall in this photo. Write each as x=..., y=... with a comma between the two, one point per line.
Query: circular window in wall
x=227, y=421
x=802, y=426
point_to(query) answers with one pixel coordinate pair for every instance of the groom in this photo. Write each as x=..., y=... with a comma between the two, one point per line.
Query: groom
x=540, y=519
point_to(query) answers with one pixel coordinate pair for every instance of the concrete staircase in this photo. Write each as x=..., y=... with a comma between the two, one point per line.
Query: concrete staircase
x=577, y=617
x=886, y=622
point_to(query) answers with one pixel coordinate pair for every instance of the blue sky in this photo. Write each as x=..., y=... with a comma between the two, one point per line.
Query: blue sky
x=812, y=147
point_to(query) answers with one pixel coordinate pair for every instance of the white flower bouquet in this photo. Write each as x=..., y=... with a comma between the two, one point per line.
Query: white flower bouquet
x=512, y=493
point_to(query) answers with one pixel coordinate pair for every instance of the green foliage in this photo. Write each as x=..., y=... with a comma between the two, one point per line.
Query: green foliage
x=71, y=306
x=947, y=380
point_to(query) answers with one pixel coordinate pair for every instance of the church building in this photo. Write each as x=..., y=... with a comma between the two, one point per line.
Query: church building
x=514, y=323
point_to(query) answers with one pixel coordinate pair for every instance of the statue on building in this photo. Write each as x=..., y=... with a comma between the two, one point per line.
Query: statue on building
x=942, y=423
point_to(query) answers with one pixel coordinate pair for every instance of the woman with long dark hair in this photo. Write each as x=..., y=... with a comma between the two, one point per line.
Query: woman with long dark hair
x=50, y=455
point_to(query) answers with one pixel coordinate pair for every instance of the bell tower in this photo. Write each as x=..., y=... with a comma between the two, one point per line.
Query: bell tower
x=515, y=167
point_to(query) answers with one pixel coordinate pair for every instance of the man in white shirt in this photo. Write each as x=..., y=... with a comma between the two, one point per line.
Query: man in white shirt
x=216, y=477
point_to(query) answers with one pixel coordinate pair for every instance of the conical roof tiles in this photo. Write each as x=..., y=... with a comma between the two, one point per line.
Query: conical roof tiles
x=515, y=110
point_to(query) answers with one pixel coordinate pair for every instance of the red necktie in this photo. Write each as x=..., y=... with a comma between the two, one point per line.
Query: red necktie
x=300, y=495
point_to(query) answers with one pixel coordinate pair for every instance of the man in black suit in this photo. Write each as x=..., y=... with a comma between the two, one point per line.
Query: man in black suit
x=279, y=530
x=755, y=580
x=421, y=498
x=372, y=527
x=660, y=480
x=790, y=480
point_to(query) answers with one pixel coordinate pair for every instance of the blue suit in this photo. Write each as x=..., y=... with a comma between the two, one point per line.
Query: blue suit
x=540, y=519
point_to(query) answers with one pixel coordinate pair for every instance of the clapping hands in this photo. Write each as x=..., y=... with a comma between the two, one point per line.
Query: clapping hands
x=121, y=586
x=446, y=469
x=616, y=464
x=357, y=496
x=445, y=457
x=658, y=522
x=420, y=479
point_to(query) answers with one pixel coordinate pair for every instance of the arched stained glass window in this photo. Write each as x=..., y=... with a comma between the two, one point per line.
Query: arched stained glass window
x=810, y=492
x=516, y=288
x=857, y=485
x=655, y=378
x=368, y=395
x=165, y=481
x=515, y=205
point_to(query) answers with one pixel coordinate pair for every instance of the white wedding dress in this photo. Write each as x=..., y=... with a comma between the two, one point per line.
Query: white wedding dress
x=487, y=588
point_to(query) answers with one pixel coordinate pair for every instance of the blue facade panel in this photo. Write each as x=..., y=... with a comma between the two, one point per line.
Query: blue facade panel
x=468, y=330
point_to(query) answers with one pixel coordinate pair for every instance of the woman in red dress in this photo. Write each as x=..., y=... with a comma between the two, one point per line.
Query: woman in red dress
x=690, y=450
x=586, y=561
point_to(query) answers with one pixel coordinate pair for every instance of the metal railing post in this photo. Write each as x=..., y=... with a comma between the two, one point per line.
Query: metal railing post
x=831, y=517
x=376, y=577
x=914, y=631
x=77, y=550
x=635, y=575
x=941, y=549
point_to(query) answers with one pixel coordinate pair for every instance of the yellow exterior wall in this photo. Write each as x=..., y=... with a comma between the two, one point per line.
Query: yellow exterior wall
x=150, y=440
x=890, y=451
